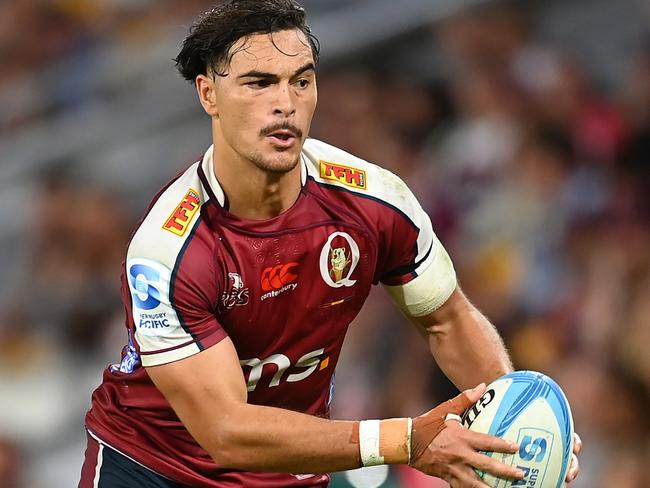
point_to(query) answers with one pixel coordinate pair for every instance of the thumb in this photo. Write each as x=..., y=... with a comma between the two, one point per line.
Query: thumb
x=466, y=399
x=426, y=427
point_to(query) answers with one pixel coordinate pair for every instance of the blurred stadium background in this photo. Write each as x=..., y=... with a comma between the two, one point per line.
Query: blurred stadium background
x=523, y=127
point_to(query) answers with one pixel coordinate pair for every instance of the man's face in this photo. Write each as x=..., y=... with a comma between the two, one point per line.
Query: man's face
x=266, y=101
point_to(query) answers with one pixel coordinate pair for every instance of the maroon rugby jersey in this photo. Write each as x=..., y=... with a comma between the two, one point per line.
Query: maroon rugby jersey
x=284, y=290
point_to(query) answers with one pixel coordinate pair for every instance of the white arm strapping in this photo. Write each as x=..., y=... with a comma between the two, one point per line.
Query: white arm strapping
x=429, y=290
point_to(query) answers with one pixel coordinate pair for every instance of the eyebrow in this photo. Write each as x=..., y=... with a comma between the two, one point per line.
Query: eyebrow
x=263, y=74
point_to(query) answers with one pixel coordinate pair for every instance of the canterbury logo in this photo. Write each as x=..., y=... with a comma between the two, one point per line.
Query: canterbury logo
x=276, y=277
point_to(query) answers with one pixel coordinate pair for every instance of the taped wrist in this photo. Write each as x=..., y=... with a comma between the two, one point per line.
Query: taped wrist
x=385, y=441
x=425, y=429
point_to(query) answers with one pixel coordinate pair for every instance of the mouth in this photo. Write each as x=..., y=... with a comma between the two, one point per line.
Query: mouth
x=283, y=138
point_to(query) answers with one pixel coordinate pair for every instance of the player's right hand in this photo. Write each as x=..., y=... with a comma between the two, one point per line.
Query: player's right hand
x=444, y=448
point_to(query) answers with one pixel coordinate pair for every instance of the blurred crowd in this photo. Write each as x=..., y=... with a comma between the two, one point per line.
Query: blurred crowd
x=537, y=179
x=71, y=34
x=538, y=183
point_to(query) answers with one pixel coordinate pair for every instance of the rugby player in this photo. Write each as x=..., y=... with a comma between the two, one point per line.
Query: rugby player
x=243, y=276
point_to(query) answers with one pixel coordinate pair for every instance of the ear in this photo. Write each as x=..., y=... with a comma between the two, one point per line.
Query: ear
x=206, y=89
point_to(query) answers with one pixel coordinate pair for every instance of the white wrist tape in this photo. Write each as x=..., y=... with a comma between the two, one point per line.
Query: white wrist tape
x=369, y=443
x=385, y=441
x=408, y=440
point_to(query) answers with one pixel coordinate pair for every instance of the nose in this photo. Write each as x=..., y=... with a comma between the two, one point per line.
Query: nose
x=284, y=105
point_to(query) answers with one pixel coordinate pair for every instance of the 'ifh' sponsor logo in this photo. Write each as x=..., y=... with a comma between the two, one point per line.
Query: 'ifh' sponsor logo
x=349, y=176
x=180, y=218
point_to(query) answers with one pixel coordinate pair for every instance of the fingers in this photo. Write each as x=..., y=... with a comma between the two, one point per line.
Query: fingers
x=484, y=442
x=479, y=484
x=463, y=477
x=459, y=403
x=574, y=469
x=495, y=467
x=577, y=443
x=454, y=456
x=466, y=399
x=467, y=479
x=574, y=466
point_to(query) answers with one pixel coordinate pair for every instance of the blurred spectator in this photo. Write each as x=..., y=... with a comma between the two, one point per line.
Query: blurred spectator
x=10, y=465
x=565, y=100
x=79, y=240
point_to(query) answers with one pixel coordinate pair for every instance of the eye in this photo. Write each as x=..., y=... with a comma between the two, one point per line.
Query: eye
x=259, y=84
x=302, y=83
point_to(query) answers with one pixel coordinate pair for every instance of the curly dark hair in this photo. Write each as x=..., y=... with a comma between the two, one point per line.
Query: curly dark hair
x=207, y=47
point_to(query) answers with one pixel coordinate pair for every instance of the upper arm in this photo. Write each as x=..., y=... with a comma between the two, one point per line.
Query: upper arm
x=430, y=290
x=171, y=300
x=418, y=273
x=204, y=390
x=182, y=344
x=408, y=244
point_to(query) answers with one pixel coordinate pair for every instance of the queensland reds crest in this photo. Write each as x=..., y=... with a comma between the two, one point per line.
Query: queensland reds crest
x=338, y=260
x=235, y=295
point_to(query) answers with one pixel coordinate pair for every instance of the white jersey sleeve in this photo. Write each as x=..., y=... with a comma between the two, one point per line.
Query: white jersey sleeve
x=167, y=277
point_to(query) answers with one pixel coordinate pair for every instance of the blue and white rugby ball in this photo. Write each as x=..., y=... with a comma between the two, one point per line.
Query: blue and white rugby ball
x=529, y=408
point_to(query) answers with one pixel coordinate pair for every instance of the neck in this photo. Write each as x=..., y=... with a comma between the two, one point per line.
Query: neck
x=253, y=193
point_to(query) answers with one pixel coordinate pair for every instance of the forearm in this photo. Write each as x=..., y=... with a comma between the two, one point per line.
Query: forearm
x=466, y=346
x=239, y=435
x=259, y=438
x=273, y=439
x=470, y=352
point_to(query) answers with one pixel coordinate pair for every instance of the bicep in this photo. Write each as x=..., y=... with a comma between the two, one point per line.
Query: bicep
x=171, y=313
x=203, y=389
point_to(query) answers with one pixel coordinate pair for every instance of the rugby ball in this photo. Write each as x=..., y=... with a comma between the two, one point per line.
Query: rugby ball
x=529, y=408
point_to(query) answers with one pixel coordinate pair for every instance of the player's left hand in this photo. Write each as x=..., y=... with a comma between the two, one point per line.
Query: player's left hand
x=574, y=467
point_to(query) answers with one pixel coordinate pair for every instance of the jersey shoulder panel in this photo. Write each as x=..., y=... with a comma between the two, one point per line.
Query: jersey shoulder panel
x=408, y=244
x=168, y=224
x=336, y=168
x=169, y=275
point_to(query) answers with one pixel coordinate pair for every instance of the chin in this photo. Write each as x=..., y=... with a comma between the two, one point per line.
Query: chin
x=278, y=163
